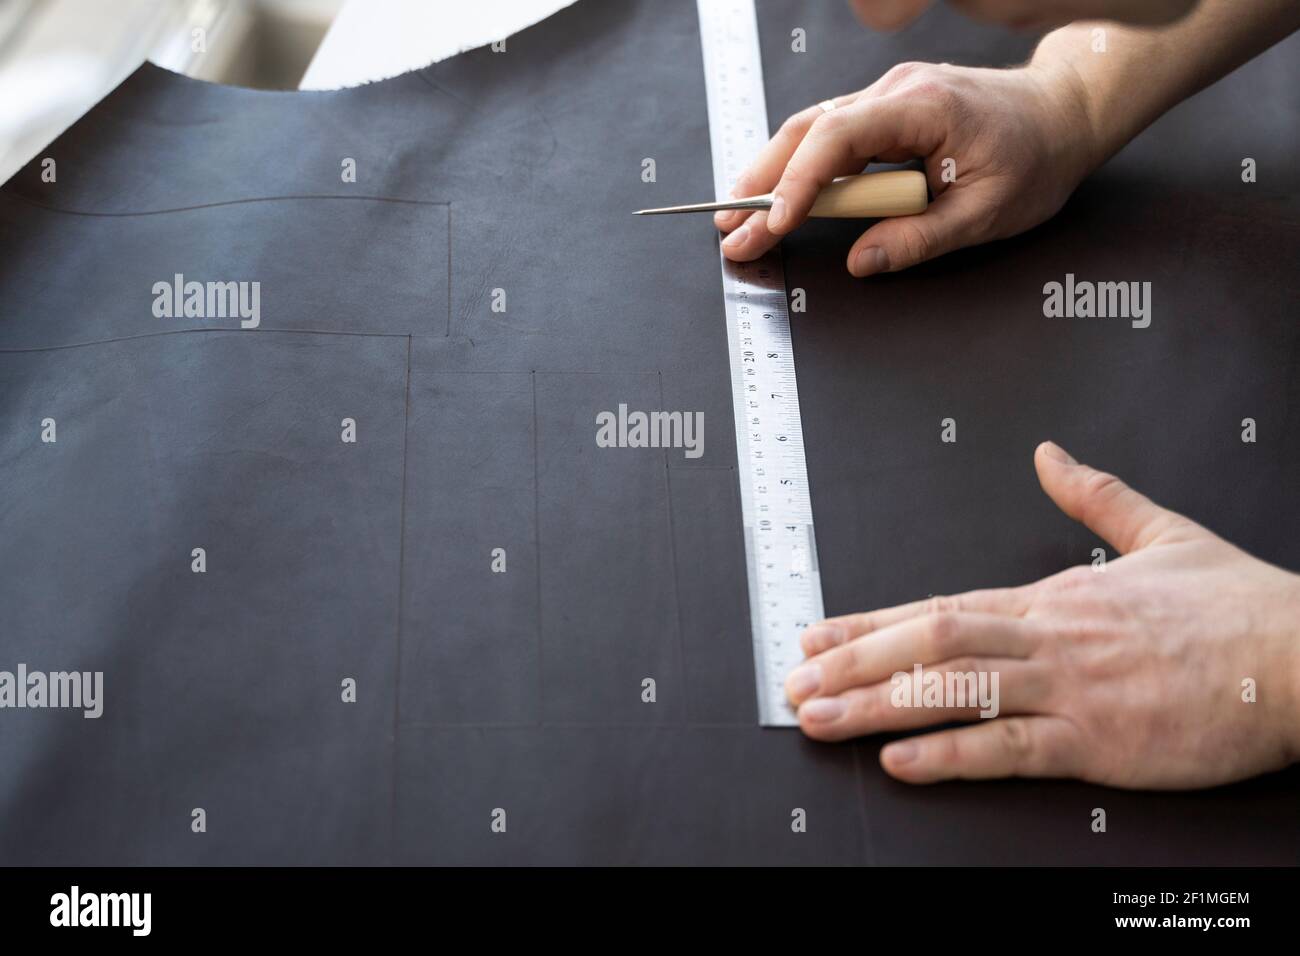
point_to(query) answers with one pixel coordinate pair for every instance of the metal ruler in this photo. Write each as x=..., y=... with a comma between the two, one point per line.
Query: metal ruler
x=785, y=590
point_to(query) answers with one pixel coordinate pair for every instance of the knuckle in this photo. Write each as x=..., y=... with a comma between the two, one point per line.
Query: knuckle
x=795, y=124
x=1016, y=739
x=794, y=174
x=918, y=243
x=1102, y=486
x=863, y=625
x=875, y=708
x=942, y=635
x=934, y=90
x=902, y=71
x=798, y=181
x=937, y=603
x=829, y=125
x=847, y=661
x=949, y=750
x=964, y=665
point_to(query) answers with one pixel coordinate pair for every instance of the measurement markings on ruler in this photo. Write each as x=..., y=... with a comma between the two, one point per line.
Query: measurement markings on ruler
x=785, y=592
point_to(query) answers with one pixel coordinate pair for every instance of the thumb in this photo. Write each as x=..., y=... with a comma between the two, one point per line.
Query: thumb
x=1109, y=508
x=893, y=244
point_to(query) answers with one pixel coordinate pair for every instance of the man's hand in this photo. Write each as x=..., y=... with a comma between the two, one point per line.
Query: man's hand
x=1135, y=676
x=1018, y=141
x=1003, y=150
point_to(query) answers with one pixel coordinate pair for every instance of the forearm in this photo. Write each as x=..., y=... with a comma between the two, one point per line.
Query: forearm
x=1126, y=77
x=1288, y=666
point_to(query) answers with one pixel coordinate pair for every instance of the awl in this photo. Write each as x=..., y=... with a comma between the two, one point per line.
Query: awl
x=867, y=196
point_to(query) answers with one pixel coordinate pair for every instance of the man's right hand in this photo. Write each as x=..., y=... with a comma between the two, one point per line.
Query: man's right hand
x=1003, y=150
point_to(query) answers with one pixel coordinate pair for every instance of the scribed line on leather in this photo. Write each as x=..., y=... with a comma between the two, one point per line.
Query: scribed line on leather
x=6, y=350
x=17, y=197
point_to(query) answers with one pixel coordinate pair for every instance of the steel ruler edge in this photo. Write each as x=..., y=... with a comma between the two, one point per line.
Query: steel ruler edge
x=785, y=591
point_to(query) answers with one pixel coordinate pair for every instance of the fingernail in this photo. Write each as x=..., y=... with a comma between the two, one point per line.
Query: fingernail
x=822, y=710
x=737, y=238
x=803, y=681
x=721, y=219
x=819, y=637
x=871, y=260
x=903, y=752
x=1055, y=452
x=776, y=214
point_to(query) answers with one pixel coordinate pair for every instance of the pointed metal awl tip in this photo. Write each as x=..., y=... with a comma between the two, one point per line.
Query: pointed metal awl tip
x=751, y=202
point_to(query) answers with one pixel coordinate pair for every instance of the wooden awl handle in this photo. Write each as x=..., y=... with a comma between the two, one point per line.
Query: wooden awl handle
x=873, y=196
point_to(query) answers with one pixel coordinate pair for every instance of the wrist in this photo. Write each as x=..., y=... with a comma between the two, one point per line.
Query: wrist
x=1289, y=668
x=1119, y=79
x=1274, y=661
x=1073, y=130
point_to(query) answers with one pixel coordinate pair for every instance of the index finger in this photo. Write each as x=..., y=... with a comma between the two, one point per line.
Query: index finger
x=1011, y=602
x=923, y=640
x=765, y=171
x=849, y=137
